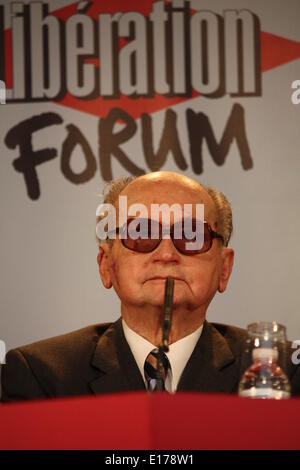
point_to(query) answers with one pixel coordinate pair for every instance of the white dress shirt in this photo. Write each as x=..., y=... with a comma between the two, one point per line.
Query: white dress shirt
x=178, y=355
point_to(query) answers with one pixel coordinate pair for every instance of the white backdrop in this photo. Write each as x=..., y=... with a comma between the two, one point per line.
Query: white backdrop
x=49, y=277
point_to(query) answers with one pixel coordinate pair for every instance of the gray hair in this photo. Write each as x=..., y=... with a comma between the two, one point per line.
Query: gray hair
x=111, y=192
x=113, y=189
x=224, y=213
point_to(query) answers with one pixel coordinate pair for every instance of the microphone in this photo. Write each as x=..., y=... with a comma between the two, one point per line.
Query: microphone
x=167, y=313
x=166, y=328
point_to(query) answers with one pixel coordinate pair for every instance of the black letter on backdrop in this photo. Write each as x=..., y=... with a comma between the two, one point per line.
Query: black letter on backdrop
x=199, y=128
x=169, y=142
x=109, y=143
x=75, y=137
x=21, y=135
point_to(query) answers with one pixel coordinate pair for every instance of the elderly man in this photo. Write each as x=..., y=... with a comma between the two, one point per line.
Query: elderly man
x=121, y=356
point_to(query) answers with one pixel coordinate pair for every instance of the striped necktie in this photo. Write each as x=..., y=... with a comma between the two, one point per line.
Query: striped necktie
x=150, y=369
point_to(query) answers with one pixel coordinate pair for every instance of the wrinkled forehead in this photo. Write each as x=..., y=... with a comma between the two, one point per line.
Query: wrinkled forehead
x=166, y=199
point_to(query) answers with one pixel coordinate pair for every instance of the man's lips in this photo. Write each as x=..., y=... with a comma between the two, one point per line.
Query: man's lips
x=163, y=278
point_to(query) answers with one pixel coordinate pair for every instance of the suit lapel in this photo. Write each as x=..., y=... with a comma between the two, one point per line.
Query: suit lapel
x=212, y=366
x=113, y=358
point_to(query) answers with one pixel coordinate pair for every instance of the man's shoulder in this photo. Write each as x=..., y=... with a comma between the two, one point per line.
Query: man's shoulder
x=74, y=342
x=229, y=330
x=58, y=366
x=234, y=335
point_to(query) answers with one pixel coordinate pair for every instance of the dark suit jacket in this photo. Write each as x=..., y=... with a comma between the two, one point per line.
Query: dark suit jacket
x=97, y=359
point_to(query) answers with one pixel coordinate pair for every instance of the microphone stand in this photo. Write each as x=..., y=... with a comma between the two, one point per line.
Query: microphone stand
x=166, y=328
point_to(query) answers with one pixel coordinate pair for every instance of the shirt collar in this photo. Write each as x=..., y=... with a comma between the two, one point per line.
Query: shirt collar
x=178, y=355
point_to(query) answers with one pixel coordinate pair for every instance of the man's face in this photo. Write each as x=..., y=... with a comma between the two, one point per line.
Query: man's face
x=139, y=278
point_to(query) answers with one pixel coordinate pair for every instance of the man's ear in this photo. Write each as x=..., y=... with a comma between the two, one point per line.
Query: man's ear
x=103, y=259
x=227, y=264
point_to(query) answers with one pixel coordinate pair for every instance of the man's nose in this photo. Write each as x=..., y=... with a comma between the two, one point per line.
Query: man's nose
x=166, y=252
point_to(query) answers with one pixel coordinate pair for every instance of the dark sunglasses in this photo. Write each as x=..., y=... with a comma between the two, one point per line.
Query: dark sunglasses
x=144, y=235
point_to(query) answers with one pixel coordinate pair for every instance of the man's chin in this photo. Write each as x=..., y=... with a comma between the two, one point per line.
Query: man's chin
x=157, y=299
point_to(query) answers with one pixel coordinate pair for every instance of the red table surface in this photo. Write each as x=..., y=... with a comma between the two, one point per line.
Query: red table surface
x=151, y=421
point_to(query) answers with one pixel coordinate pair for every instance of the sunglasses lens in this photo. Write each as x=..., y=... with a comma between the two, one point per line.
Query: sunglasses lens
x=143, y=235
x=140, y=245
x=196, y=238
x=189, y=236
